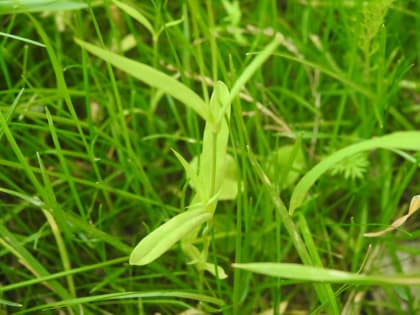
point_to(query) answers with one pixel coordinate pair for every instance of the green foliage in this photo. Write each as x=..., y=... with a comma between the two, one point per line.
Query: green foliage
x=206, y=179
x=353, y=167
x=309, y=273
x=206, y=173
x=408, y=140
x=161, y=240
x=370, y=19
x=146, y=166
x=152, y=77
x=286, y=164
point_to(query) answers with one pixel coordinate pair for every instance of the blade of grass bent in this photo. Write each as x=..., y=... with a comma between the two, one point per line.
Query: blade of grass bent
x=151, y=76
x=404, y=140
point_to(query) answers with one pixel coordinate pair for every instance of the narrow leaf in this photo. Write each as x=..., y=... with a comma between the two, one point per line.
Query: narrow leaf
x=317, y=274
x=404, y=140
x=13, y=6
x=150, y=76
x=164, y=237
x=254, y=65
x=135, y=14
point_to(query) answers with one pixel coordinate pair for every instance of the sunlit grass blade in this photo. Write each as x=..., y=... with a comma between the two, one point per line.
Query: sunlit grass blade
x=255, y=65
x=9, y=303
x=404, y=140
x=22, y=39
x=152, y=77
x=316, y=274
x=164, y=237
x=21, y=6
x=135, y=14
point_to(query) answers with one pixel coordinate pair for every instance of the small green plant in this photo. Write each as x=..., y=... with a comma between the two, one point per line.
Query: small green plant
x=353, y=167
x=371, y=18
x=207, y=173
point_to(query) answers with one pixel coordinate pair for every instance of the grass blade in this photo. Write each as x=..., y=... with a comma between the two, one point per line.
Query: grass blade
x=127, y=295
x=13, y=7
x=151, y=76
x=254, y=65
x=316, y=274
x=135, y=14
x=404, y=140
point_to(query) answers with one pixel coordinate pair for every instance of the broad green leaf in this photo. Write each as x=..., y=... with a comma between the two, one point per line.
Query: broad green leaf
x=150, y=76
x=215, y=270
x=229, y=186
x=135, y=14
x=164, y=237
x=211, y=167
x=286, y=163
x=317, y=274
x=404, y=140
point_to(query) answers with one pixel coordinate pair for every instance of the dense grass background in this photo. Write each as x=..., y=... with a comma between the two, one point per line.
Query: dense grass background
x=86, y=167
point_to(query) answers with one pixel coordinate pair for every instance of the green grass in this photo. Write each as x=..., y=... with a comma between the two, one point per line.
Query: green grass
x=227, y=157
